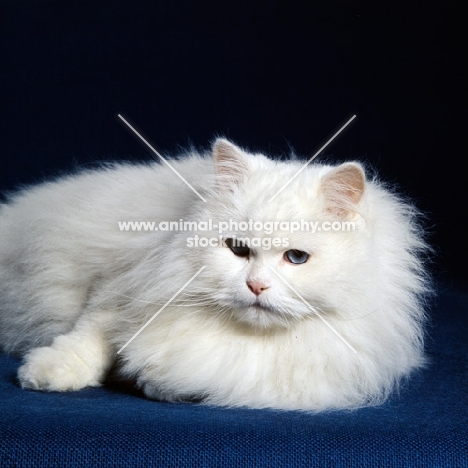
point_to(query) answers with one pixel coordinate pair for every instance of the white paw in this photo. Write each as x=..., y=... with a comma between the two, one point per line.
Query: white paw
x=52, y=370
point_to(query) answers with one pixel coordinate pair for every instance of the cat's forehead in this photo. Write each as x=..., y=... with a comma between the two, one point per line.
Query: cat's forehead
x=285, y=168
x=293, y=178
x=282, y=190
x=272, y=190
x=259, y=209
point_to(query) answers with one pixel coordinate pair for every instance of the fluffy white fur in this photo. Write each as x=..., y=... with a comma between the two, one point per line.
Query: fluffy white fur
x=74, y=288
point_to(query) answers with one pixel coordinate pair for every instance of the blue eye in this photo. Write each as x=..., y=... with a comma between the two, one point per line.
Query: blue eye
x=237, y=247
x=296, y=256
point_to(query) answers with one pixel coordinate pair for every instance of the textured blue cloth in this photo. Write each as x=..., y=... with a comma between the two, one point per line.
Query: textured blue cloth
x=425, y=426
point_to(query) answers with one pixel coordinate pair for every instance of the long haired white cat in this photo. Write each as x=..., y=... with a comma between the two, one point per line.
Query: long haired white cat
x=290, y=320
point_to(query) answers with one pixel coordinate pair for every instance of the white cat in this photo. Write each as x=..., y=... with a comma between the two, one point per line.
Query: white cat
x=308, y=320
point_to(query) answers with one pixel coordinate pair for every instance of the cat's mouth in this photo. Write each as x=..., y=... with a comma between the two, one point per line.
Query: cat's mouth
x=255, y=307
x=262, y=307
x=264, y=316
x=258, y=309
x=258, y=314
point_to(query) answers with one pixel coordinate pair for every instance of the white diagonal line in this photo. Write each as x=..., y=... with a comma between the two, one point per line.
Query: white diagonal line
x=313, y=310
x=312, y=158
x=161, y=309
x=160, y=157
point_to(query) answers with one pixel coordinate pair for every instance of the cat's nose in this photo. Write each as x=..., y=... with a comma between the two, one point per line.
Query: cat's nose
x=257, y=287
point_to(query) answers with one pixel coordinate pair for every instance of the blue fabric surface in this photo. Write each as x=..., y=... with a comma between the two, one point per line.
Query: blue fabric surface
x=425, y=426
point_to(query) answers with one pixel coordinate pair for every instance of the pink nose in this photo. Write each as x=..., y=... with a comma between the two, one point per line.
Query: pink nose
x=257, y=287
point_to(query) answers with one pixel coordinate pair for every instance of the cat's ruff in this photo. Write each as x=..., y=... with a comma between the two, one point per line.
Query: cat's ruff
x=74, y=288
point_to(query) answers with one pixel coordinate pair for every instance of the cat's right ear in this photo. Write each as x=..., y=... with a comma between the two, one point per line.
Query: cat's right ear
x=230, y=163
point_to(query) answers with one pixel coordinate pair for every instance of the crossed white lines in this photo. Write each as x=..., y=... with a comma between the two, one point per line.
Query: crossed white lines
x=272, y=269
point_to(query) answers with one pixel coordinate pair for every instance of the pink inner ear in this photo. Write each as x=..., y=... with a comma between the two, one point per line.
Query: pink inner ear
x=230, y=163
x=343, y=189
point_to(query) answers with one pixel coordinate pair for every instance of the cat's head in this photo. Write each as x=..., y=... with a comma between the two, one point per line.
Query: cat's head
x=288, y=245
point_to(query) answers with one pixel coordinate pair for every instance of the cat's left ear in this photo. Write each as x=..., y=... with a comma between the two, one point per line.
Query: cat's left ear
x=343, y=188
x=230, y=163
